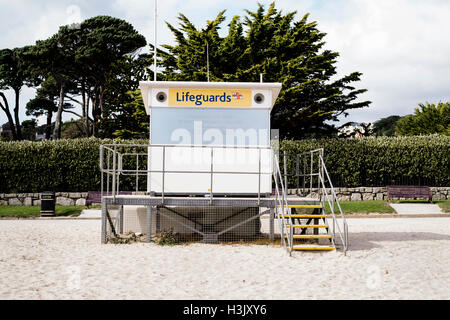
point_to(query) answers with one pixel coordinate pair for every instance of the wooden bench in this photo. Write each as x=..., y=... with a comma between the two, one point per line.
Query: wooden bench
x=96, y=196
x=409, y=192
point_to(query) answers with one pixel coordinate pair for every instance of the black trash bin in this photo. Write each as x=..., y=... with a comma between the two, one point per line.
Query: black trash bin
x=47, y=204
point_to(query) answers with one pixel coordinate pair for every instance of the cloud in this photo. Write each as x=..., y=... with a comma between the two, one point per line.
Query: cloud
x=400, y=46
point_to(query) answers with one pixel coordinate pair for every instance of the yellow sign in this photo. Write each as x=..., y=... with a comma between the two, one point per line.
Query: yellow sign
x=210, y=98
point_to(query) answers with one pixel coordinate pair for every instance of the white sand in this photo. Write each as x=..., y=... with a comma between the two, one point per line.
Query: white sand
x=388, y=259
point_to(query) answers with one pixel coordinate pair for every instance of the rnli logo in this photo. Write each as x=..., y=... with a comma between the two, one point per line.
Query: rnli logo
x=237, y=96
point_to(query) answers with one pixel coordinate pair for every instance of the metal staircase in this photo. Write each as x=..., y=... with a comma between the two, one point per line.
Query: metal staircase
x=305, y=227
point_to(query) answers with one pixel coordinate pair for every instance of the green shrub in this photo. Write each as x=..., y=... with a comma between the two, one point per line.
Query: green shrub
x=61, y=165
x=380, y=161
x=73, y=165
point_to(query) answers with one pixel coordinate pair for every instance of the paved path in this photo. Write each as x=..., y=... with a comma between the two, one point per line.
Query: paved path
x=91, y=213
x=416, y=208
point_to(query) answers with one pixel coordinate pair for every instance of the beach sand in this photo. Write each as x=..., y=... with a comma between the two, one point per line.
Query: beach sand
x=388, y=259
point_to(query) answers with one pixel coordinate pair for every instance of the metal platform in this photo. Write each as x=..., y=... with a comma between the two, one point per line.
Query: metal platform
x=142, y=200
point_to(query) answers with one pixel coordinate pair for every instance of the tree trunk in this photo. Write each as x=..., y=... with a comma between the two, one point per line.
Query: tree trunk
x=5, y=108
x=95, y=102
x=48, y=129
x=57, y=129
x=16, y=115
x=87, y=124
x=85, y=108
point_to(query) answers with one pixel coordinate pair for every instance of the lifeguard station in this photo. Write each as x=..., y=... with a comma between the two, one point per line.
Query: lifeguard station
x=211, y=172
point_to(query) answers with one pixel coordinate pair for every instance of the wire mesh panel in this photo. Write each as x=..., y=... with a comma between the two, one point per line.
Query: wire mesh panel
x=181, y=224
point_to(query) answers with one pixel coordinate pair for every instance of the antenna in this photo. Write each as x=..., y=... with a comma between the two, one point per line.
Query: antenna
x=154, y=43
x=207, y=59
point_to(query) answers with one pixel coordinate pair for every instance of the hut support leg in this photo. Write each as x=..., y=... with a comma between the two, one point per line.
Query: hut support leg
x=149, y=223
x=271, y=222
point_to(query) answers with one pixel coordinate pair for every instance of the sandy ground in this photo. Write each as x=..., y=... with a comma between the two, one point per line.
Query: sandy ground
x=388, y=259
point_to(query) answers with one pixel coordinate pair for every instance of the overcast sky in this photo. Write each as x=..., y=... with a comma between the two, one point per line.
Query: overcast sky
x=402, y=47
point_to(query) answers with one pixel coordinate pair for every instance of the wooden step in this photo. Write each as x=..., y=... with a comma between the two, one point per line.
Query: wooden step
x=307, y=226
x=310, y=236
x=305, y=216
x=301, y=247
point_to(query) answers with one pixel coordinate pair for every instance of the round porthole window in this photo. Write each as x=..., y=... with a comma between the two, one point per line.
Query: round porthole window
x=161, y=96
x=259, y=98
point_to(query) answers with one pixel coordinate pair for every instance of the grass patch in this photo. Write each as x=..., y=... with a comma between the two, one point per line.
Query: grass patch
x=35, y=211
x=444, y=205
x=369, y=206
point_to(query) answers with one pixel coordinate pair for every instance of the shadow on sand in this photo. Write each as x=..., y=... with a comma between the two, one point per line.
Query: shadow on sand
x=367, y=240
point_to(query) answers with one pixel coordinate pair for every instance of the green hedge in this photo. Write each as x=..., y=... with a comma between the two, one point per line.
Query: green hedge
x=62, y=165
x=72, y=165
x=380, y=161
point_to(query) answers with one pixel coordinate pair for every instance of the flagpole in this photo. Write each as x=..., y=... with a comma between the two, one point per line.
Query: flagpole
x=154, y=44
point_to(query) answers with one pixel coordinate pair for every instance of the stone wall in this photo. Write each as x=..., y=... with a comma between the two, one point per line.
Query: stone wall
x=33, y=199
x=79, y=198
x=376, y=193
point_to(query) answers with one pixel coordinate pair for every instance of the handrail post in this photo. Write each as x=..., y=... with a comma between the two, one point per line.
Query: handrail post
x=119, y=171
x=108, y=161
x=297, y=164
x=113, y=187
x=285, y=171
x=137, y=172
x=101, y=170
x=259, y=177
x=212, y=168
x=311, y=174
x=304, y=175
x=163, y=173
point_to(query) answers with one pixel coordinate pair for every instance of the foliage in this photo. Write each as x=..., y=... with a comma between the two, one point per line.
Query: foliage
x=277, y=46
x=167, y=238
x=69, y=165
x=73, y=165
x=14, y=74
x=72, y=129
x=29, y=129
x=386, y=126
x=124, y=115
x=81, y=60
x=428, y=118
x=379, y=161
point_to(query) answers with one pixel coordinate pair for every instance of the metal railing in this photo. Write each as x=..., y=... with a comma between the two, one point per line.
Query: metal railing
x=112, y=161
x=313, y=177
x=343, y=234
x=282, y=208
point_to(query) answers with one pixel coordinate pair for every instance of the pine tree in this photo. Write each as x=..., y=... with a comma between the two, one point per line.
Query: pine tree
x=280, y=48
x=428, y=118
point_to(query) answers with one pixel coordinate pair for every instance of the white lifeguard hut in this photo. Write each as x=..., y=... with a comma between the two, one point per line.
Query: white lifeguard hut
x=199, y=127
x=211, y=173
